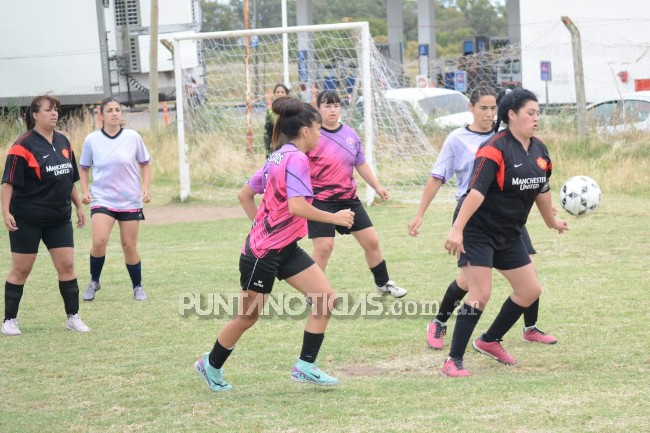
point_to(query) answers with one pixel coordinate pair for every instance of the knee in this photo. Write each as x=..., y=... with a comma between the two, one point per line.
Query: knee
x=324, y=302
x=20, y=273
x=246, y=321
x=323, y=249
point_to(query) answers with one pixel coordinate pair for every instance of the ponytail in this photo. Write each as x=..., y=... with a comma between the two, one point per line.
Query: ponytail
x=292, y=115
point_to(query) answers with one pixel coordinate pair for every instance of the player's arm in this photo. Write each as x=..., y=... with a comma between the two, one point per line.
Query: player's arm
x=74, y=197
x=298, y=206
x=454, y=241
x=146, y=181
x=430, y=190
x=545, y=207
x=246, y=198
x=6, y=191
x=368, y=175
x=84, y=180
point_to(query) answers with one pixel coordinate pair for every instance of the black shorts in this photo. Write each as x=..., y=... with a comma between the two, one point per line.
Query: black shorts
x=325, y=230
x=529, y=244
x=119, y=215
x=26, y=239
x=259, y=275
x=481, y=252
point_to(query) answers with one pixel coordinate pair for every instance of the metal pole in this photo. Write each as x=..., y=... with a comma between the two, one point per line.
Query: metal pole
x=183, y=166
x=367, y=107
x=581, y=100
x=249, y=98
x=285, y=44
x=103, y=48
x=153, y=65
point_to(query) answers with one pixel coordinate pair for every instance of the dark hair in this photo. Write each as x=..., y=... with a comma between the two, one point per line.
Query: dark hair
x=35, y=107
x=328, y=97
x=293, y=114
x=480, y=91
x=106, y=101
x=286, y=89
x=511, y=100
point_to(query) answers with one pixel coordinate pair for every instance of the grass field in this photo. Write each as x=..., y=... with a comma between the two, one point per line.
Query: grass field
x=134, y=371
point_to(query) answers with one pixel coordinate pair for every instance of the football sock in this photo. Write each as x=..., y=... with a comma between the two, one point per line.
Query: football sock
x=466, y=321
x=450, y=301
x=311, y=346
x=219, y=355
x=530, y=315
x=507, y=317
x=13, y=293
x=96, y=266
x=70, y=294
x=135, y=272
x=380, y=272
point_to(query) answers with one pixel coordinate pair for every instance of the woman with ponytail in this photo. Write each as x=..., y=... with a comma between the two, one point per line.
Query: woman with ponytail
x=271, y=249
x=511, y=172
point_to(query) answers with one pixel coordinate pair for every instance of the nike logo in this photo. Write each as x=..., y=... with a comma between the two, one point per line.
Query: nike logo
x=518, y=165
x=45, y=156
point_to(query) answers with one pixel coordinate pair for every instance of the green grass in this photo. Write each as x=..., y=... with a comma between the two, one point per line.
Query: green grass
x=134, y=371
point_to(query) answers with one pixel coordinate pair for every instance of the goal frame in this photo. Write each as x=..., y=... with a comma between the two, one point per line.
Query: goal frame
x=363, y=32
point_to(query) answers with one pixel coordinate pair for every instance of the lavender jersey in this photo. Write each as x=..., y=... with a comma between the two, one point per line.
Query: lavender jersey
x=332, y=164
x=116, y=165
x=285, y=175
x=456, y=158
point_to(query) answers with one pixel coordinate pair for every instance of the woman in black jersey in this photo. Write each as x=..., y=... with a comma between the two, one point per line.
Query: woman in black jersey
x=511, y=172
x=37, y=190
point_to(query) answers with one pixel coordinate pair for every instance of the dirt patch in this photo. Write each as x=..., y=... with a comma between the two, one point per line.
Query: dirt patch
x=179, y=213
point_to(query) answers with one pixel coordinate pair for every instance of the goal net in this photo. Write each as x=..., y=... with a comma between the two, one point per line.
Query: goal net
x=221, y=110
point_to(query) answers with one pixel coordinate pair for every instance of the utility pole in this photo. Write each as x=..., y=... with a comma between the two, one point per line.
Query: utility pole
x=153, y=65
x=581, y=99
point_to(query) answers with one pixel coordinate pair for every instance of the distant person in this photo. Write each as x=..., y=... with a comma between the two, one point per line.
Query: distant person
x=456, y=159
x=279, y=91
x=271, y=249
x=194, y=96
x=37, y=192
x=332, y=166
x=117, y=156
x=511, y=172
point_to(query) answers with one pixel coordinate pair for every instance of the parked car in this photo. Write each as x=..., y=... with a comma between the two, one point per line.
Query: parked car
x=629, y=113
x=444, y=107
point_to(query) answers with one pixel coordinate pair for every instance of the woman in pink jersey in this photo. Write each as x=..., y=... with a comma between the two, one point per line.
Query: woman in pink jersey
x=117, y=156
x=332, y=166
x=271, y=249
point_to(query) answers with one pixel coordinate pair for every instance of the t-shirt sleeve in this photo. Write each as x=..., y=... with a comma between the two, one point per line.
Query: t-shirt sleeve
x=142, y=154
x=86, y=159
x=75, y=168
x=256, y=182
x=444, y=167
x=488, y=168
x=298, y=180
x=15, y=166
x=361, y=157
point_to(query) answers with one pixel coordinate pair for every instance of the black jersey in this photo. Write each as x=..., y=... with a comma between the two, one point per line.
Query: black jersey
x=510, y=178
x=42, y=175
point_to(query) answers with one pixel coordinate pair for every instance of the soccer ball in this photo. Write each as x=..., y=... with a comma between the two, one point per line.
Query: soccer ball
x=580, y=195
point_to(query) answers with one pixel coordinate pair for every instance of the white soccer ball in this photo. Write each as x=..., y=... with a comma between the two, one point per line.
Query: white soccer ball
x=580, y=195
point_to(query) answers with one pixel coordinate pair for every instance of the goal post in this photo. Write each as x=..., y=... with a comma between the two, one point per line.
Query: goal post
x=220, y=114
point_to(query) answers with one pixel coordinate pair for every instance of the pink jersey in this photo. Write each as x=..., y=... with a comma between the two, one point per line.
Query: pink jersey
x=332, y=164
x=285, y=175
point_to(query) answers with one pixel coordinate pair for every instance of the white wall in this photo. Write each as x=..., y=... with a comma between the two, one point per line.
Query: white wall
x=615, y=37
x=49, y=46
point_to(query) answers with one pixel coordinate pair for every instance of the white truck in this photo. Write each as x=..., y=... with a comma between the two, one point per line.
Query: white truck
x=83, y=50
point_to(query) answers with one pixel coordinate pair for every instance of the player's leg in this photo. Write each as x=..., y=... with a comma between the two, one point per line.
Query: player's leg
x=322, y=234
x=322, y=248
x=531, y=332
x=366, y=235
x=129, y=229
x=437, y=328
x=60, y=244
x=479, y=281
x=311, y=281
x=102, y=224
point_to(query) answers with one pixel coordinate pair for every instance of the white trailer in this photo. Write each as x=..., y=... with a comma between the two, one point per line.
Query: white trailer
x=84, y=50
x=615, y=47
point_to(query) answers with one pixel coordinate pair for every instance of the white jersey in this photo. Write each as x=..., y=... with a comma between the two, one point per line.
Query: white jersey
x=456, y=158
x=115, y=163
